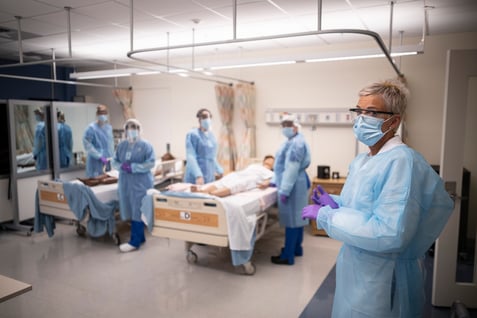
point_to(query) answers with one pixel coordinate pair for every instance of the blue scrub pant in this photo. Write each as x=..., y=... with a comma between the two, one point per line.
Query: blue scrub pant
x=293, y=241
x=137, y=234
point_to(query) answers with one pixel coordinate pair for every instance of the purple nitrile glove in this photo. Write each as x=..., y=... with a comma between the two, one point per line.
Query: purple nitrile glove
x=283, y=198
x=324, y=198
x=273, y=185
x=126, y=167
x=310, y=211
x=104, y=160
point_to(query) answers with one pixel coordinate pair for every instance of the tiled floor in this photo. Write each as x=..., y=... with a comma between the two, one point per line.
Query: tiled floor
x=81, y=277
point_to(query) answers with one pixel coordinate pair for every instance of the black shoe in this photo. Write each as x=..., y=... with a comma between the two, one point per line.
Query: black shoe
x=296, y=253
x=279, y=261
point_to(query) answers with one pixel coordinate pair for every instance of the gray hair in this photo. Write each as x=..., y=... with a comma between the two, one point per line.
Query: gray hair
x=393, y=92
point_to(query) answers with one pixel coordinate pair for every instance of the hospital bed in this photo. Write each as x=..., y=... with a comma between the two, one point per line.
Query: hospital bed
x=235, y=221
x=72, y=200
x=95, y=206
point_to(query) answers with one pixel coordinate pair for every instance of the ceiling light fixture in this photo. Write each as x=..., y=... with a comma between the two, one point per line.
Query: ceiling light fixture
x=214, y=68
x=120, y=72
x=356, y=55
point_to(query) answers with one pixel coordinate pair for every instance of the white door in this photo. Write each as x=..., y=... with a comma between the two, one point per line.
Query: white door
x=460, y=104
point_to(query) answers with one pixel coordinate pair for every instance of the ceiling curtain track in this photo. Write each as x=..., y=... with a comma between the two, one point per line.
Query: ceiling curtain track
x=235, y=40
x=245, y=101
x=226, y=154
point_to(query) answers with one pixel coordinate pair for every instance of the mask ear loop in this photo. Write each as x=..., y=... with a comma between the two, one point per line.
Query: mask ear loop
x=391, y=128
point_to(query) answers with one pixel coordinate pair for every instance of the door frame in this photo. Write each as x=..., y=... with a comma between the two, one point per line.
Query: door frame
x=461, y=65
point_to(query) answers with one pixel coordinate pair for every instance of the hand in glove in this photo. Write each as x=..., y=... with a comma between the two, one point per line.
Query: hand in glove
x=273, y=185
x=310, y=211
x=126, y=167
x=324, y=198
x=104, y=160
x=283, y=198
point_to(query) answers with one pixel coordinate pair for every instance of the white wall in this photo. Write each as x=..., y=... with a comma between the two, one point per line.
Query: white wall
x=166, y=105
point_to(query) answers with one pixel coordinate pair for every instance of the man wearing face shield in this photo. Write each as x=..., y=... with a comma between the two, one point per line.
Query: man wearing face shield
x=392, y=207
x=98, y=143
x=201, y=152
x=293, y=184
x=134, y=159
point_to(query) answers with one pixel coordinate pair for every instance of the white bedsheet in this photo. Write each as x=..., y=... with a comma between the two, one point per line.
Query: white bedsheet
x=242, y=210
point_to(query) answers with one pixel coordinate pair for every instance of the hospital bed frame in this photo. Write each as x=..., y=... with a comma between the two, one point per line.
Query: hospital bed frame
x=52, y=201
x=198, y=221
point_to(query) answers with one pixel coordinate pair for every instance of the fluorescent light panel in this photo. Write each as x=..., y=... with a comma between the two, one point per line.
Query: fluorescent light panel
x=324, y=57
x=111, y=73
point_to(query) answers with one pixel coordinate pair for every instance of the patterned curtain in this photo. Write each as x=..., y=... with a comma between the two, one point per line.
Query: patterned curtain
x=24, y=139
x=246, y=104
x=226, y=155
x=124, y=97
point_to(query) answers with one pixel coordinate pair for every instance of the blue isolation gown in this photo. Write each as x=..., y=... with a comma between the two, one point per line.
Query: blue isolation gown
x=132, y=187
x=65, y=141
x=291, y=179
x=98, y=142
x=201, y=155
x=393, y=206
x=39, y=146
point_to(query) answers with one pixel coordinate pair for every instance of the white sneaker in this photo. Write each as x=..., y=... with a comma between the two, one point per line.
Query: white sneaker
x=126, y=247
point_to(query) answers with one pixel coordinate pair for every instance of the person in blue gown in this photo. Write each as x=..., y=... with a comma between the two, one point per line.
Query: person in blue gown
x=392, y=207
x=99, y=144
x=65, y=141
x=39, y=143
x=201, y=152
x=293, y=185
x=134, y=159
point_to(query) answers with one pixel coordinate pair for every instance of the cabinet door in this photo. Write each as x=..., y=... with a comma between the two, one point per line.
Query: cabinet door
x=332, y=187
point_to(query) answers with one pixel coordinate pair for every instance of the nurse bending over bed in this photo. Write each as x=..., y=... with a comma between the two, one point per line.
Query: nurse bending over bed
x=253, y=176
x=134, y=158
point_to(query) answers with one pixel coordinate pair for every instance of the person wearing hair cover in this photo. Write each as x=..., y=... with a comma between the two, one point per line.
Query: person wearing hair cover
x=292, y=183
x=65, y=140
x=392, y=207
x=39, y=143
x=99, y=143
x=134, y=158
x=201, y=152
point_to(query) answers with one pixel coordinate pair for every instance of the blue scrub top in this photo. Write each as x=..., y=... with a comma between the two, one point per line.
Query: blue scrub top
x=201, y=155
x=132, y=187
x=393, y=206
x=98, y=142
x=39, y=147
x=291, y=179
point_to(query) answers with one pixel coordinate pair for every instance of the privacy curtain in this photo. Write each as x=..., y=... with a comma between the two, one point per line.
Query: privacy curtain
x=24, y=139
x=226, y=154
x=246, y=103
x=124, y=97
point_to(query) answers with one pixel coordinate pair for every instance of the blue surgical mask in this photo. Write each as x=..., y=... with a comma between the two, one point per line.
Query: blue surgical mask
x=103, y=118
x=38, y=118
x=367, y=129
x=288, y=132
x=205, y=123
x=132, y=134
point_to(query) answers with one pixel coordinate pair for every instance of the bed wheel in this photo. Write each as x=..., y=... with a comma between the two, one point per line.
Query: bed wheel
x=116, y=239
x=249, y=268
x=191, y=257
x=81, y=230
